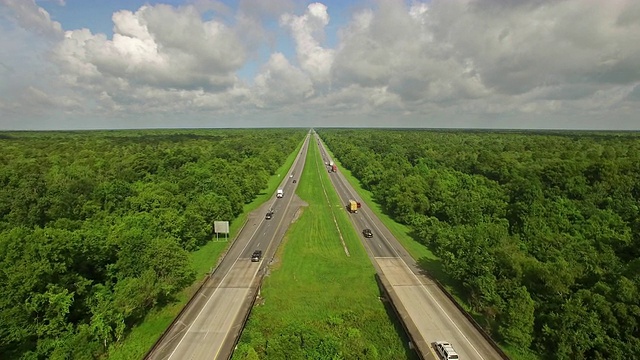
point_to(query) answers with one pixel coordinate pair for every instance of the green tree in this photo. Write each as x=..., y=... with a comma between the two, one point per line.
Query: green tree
x=516, y=320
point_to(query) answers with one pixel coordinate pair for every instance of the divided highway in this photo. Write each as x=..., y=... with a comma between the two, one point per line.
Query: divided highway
x=208, y=328
x=427, y=312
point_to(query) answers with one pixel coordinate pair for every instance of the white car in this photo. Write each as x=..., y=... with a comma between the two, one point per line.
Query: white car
x=445, y=350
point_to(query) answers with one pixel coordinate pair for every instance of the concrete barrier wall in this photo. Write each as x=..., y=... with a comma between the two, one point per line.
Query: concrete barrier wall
x=421, y=346
x=249, y=303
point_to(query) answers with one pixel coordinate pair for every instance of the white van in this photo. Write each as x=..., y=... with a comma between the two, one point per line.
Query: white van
x=445, y=350
x=279, y=193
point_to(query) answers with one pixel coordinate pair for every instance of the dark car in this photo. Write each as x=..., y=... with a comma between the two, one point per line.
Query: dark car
x=294, y=181
x=367, y=233
x=269, y=214
x=257, y=255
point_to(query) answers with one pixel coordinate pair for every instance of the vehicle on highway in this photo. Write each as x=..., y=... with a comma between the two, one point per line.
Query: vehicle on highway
x=294, y=181
x=353, y=206
x=445, y=350
x=291, y=175
x=367, y=233
x=269, y=214
x=279, y=193
x=257, y=255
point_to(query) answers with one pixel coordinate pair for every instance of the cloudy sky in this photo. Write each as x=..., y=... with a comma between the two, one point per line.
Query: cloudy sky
x=78, y=64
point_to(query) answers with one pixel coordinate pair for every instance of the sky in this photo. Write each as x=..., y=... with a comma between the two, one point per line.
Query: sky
x=501, y=64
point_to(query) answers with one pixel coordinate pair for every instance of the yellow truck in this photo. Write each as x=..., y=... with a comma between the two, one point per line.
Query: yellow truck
x=353, y=206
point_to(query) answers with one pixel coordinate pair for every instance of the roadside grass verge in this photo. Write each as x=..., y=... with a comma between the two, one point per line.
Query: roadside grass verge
x=142, y=337
x=318, y=302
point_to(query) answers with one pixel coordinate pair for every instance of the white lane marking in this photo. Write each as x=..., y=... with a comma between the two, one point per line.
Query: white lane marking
x=214, y=292
x=422, y=285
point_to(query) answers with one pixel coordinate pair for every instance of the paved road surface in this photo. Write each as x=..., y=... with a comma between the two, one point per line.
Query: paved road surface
x=209, y=327
x=434, y=315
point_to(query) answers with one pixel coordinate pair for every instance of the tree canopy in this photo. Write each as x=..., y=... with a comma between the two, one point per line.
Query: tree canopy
x=96, y=227
x=540, y=230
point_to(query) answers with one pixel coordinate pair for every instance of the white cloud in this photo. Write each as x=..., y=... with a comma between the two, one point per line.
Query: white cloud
x=308, y=33
x=189, y=54
x=378, y=62
x=293, y=86
x=544, y=62
x=260, y=9
x=394, y=47
x=488, y=57
x=149, y=66
x=217, y=6
x=34, y=18
x=34, y=101
x=521, y=47
x=355, y=99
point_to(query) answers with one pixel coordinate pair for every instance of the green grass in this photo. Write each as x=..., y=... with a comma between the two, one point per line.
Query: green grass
x=316, y=294
x=142, y=337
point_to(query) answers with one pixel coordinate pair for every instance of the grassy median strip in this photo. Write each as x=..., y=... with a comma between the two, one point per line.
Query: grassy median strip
x=318, y=302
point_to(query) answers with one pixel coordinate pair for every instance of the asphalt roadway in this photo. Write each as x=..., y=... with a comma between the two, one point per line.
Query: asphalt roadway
x=433, y=315
x=210, y=325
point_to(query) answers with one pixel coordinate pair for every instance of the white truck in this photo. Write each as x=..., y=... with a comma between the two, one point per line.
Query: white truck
x=279, y=193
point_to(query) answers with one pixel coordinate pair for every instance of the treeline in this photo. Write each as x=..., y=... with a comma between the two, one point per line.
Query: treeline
x=96, y=227
x=542, y=231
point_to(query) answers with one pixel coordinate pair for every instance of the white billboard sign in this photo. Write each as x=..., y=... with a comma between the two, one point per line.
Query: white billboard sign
x=221, y=227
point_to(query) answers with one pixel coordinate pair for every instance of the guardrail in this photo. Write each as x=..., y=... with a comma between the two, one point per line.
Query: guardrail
x=421, y=347
x=252, y=303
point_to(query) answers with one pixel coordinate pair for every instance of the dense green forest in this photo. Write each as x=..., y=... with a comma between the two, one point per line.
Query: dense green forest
x=96, y=227
x=540, y=232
